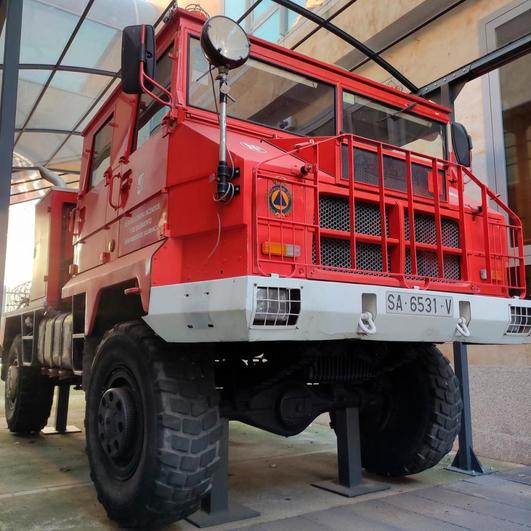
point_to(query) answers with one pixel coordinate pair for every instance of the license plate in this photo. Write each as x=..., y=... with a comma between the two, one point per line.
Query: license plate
x=434, y=305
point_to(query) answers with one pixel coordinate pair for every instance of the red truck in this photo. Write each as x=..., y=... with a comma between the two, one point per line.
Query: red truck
x=292, y=246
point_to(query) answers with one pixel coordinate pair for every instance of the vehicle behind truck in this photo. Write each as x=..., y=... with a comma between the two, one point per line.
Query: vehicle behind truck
x=262, y=237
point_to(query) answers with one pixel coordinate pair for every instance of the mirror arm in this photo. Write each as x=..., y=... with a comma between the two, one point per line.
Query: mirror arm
x=144, y=77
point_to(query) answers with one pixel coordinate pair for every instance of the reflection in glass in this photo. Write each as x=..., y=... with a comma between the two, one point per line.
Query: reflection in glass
x=150, y=111
x=267, y=95
x=101, y=153
x=383, y=123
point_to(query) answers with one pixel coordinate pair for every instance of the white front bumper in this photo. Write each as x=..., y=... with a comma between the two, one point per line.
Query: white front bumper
x=223, y=310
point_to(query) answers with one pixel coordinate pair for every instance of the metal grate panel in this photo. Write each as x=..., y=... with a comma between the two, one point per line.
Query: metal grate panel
x=336, y=253
x=369, y=257
x=425, y=230
x=334, y=214
x=427, y=265
x=520, y=324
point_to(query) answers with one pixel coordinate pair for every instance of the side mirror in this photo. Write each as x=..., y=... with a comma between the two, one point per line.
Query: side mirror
x=461, y=144
x=138, y=46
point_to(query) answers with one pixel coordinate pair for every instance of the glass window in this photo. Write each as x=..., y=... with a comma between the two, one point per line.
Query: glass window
x=101, y=153
x=383, y=123
x=150, y=111
x=515, y=83
x=267, y=95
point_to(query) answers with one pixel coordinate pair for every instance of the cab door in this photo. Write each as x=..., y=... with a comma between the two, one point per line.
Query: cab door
x=90, y=215
x=143, y=211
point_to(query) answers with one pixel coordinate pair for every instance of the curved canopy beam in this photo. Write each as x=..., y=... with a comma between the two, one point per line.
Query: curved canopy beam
x=343, y=35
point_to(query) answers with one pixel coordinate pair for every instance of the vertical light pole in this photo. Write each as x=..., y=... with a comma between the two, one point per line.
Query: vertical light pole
x=12, y=11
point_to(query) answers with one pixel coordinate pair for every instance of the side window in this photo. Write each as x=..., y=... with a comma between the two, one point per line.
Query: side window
x=101, y=152
x=151, y=112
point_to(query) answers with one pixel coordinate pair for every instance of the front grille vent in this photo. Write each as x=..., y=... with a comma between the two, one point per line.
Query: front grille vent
x=427, y=265
x=425, y=231
x=336, y=253
x=334, y=214
x=520, y=324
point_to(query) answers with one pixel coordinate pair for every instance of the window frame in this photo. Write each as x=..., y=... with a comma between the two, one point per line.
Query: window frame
x=106, y=122
x=492, y=104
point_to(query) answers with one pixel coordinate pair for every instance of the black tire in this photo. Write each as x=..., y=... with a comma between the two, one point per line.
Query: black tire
x=156, y=467
x=417, y=422
x=28, y=394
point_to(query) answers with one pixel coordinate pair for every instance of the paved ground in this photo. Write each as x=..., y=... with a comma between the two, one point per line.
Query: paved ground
x=45, y=486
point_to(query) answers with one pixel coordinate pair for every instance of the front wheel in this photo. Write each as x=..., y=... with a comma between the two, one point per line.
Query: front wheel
x=153, y=427
x=414, y=424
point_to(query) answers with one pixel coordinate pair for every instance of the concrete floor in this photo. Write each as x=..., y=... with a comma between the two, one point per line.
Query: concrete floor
x=45, y=486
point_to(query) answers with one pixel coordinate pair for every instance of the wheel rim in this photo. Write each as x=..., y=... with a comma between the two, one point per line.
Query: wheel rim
x=120, y=424
x=12, y=381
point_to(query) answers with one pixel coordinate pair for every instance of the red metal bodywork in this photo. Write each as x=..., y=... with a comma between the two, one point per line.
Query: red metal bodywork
x=53, y=248
x=153, y=218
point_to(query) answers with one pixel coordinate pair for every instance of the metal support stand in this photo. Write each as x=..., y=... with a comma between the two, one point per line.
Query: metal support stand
x=61, y=413
x=216, y=509
x=350, y=481
x=465, y=460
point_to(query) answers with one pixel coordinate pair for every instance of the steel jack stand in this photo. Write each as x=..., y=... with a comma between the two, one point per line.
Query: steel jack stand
x=465, y=460
x=61, y=413
x=216, y=509
x=350, y=481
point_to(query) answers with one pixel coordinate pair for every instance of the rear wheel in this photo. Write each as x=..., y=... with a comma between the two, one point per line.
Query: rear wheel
x=153, y=427
x=415, y=424
x=28, y=394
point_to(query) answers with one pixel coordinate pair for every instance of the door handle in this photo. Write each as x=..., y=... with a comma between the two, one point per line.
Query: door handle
x=123, y=188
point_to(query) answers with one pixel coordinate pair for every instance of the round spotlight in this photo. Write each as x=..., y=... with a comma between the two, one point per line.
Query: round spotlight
x=224, y=42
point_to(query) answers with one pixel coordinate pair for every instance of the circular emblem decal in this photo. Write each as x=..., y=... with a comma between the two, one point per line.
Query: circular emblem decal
x=280, y=201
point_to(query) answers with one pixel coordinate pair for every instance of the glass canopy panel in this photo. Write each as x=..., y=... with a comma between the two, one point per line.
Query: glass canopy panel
x=46, y=28
x=38, y=147
x=69, y=156
x=98, y=42
x=30, y=84
x=66, y=100
x=105, y=93
x=275, y=23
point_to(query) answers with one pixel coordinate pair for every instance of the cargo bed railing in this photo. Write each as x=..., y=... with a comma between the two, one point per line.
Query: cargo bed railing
x=427, y=234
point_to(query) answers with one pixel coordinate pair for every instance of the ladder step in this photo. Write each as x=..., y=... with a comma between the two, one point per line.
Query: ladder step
x=78, y=336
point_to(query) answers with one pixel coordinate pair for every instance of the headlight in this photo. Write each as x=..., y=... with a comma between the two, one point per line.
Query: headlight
x=277, y=306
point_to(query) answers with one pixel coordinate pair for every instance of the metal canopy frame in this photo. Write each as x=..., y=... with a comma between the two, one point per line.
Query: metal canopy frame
x=349, y=39
x=474, y=69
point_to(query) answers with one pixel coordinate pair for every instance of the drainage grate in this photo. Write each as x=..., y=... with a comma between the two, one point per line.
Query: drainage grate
x=520, y=324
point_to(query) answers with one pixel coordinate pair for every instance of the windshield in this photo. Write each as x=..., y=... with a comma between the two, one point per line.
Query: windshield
x=267, y=95
x=377, y=121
